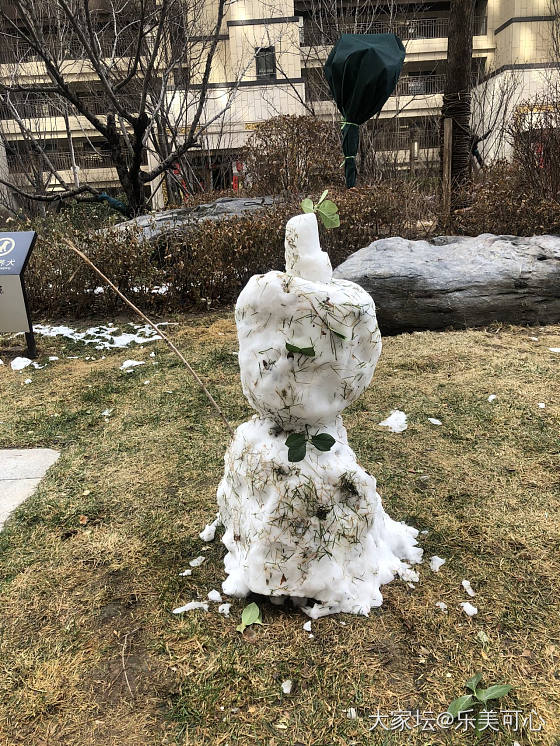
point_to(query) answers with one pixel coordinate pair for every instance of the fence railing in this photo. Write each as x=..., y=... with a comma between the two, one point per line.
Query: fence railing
x=407, y=29
x=14, y=50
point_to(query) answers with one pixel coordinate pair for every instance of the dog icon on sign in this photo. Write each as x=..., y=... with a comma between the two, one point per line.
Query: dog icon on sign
x=7, y=245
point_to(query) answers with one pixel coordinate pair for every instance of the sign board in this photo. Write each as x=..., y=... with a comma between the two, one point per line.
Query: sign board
x=15, y=250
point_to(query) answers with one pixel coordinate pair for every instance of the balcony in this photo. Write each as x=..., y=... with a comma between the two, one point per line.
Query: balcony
x=407, y=30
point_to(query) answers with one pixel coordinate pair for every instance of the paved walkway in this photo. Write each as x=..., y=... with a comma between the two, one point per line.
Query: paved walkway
x=20, y=473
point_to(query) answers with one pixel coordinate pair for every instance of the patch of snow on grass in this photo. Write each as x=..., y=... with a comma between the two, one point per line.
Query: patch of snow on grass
x=307, y=626
x=19, y=363
x=191, y=606
x=185, y=573
x=554, y=349
x=209, y=531
x=468, y=608
x=197, y=561
x=215, y=596
x=442, y=605
x=224, y=609
x=492, y=397
x=467, y=586
x=436, y=562
x=287, y=686
x=103, y=337
x=131, y=364
x=434, y=421
x=541, y=405
x=396, y=421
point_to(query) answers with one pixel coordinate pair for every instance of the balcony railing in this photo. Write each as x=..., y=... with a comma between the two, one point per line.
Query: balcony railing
x=32, y=106
x=407, y=30
x=61, y=161
x=403, y=140
x=419, y=85
x=14, y=50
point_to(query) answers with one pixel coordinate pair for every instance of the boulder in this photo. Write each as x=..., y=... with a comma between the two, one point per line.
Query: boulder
x=153, y=225
x=459, y=281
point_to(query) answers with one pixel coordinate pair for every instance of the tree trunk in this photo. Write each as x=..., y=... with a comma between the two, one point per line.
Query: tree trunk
x=457, y=94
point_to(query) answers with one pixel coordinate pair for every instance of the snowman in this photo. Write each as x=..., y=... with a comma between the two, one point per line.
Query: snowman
x=302, y=518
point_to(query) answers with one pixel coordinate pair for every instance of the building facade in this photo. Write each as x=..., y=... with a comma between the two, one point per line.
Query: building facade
x=269, y=61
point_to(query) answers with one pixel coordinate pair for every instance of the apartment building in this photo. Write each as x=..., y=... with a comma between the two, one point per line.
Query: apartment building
x=269, y=61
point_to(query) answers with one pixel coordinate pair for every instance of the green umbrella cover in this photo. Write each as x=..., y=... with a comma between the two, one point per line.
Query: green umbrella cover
x=362, y=71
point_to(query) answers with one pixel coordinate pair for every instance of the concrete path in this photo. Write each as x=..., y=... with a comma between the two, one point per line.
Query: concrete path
x=20, y=473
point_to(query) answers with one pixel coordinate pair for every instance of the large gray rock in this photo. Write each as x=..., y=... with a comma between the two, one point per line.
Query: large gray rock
x=459, y=281
x=155, y=224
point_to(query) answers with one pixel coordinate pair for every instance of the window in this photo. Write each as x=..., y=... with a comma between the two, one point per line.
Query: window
x=266, y=63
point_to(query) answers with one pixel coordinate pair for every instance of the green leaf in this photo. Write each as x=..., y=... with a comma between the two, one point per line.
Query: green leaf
x=309, y=351
x=329, y=207
x=307, y=205
x=474, y=681
x=322, y=197
x=295, y=439
x=323, y=441
x=250, y=615
x=493, y=692
x=329, y=221
x=460, y=705
x=297, y=453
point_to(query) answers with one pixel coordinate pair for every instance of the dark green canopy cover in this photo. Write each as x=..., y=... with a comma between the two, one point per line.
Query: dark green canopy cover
x=362, y=71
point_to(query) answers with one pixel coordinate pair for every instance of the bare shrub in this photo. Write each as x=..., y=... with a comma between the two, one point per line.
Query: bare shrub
x=292, y=153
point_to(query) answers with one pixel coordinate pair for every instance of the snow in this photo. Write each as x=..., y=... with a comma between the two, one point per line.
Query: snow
x=436, y=562
x=185, y=573
x=434, y=421
x=224, y=609
x=467, y=586
x=307, y=626
x=396, y=421
x=492, y=397
x=191, y=606
x=554, y=349
x=19, y=363
x=52, y=358
x=441, y=605
x=535, y=339
x=28, y=380
x=197, y=561
x=107, y=413
x=313, y=528
x=102, y=337
x=351, y=713
x=131, y=364
x=215, y=596
x=209, y=532
x=468, y=608
x=541, y=405
x=1, y=362
x=287, y=686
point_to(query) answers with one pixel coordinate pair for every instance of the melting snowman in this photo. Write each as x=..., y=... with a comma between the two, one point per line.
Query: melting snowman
x=302, y=518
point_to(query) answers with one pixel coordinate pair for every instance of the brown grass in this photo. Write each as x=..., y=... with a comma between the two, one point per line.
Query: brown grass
x=89, y=651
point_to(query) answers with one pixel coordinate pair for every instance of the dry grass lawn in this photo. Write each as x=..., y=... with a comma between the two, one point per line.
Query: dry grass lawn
x=90, y=652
